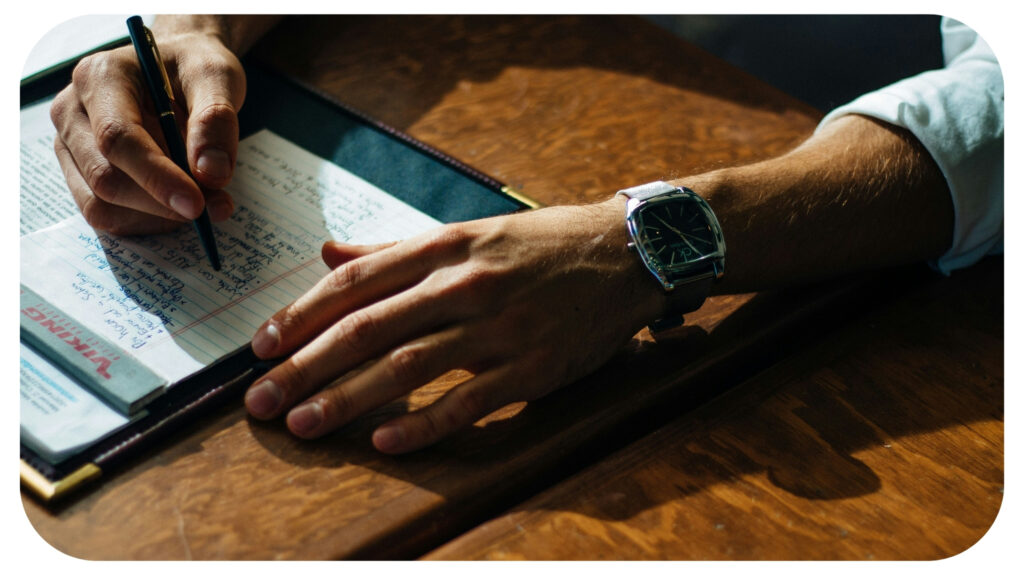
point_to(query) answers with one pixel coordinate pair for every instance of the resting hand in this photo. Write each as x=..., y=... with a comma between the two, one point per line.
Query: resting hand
x=526, y=303
x=111, y=149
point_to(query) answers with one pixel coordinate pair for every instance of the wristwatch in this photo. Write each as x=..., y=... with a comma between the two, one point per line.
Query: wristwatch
x=679, y=240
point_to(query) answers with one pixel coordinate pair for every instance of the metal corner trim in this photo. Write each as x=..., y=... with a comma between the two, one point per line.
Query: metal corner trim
x=50, y=490
x=515, y=194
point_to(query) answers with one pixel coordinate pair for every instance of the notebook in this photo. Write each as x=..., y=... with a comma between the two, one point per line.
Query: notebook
x=125, y=340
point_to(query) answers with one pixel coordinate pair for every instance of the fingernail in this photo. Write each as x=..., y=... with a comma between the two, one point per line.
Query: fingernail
x=184, y=205
x=214, y=163
x=263, y=398
x=389, y=437
x=306, y=418
x=266, y=340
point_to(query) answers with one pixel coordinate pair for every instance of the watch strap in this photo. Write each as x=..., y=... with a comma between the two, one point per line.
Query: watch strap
x=682, y=300
x=646, y=191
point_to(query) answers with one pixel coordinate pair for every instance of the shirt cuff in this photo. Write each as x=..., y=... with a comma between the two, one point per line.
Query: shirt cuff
x=957, y=115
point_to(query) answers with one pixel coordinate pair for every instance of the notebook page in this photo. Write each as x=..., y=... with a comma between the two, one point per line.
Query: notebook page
x=58, y=416
x=45, y=198
x=158, y=299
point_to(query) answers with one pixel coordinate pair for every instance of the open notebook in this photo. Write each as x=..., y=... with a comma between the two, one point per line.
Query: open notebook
x=122, y=335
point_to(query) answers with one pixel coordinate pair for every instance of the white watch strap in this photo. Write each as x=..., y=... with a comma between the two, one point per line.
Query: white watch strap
x=645, y=191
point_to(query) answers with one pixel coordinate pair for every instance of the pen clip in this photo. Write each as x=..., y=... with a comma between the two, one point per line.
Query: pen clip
x=159, y=63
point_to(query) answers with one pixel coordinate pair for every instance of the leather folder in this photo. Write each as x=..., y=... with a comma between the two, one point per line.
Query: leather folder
x=408, y=169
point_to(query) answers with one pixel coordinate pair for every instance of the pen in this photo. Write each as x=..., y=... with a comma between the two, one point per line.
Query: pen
x=163, y=97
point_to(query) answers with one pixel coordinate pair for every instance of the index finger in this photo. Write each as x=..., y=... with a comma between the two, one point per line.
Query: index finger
x=112, y=96
x=350, y=286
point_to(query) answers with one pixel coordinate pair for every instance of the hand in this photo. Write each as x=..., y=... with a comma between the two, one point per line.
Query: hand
x=526, y=303
x=111, y=149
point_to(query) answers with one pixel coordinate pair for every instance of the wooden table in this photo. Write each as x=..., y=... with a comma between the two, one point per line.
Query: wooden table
x=833, y=421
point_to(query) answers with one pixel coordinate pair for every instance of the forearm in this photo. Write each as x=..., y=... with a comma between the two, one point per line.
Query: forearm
x=237, y=32
x=858, y=195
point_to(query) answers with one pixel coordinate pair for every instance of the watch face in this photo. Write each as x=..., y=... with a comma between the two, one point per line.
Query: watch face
x=675, y=232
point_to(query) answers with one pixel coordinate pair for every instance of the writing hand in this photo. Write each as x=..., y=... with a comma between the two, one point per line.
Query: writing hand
x=527, y=303
x=110, y=146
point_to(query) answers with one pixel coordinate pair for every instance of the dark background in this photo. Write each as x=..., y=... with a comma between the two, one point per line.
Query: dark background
x=825, y=61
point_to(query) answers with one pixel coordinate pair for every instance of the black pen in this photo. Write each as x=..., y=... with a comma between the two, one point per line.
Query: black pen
x=163, y=97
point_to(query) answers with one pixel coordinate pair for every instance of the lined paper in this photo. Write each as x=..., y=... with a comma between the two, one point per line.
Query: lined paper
x=158, y=299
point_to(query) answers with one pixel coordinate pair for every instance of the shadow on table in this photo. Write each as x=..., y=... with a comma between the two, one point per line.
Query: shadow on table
x=811, y=452
x=438, y=54
x=877, y=383
x=833, y=408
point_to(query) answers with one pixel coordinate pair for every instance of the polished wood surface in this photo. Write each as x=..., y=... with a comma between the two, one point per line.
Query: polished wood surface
x=553, y=106
x=883, y=441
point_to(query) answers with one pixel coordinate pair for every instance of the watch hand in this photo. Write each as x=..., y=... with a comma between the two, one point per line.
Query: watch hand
x=677, y=232
x=693, y=237
x=682, y=234
x=667, y=225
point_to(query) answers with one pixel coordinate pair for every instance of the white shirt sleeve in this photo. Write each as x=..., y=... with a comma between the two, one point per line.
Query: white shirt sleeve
x=957, y=114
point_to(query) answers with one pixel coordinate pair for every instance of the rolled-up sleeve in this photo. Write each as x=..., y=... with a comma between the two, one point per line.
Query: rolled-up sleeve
x=957, y=114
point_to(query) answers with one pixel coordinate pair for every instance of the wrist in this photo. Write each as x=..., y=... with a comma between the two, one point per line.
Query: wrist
x=642, y=297
x=168, y=27
x=235, y=33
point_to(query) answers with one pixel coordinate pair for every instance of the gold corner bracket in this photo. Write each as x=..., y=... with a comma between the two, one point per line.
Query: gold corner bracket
x=515, y=194
x=51, y=490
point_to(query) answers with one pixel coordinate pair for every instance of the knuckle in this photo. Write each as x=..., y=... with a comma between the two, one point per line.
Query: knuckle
x=60, y=106
x=86, y=67
x=346, y=276
x=408, y=363
x=356, y=332
x=297, y=374
x=111, y=133
x=471, y=404
x=292, y=318
x=445, y=239
x=475, y=286
x=215, y=113
x=463, y=405
x=101, y=177
x=480, y=278
x=339, y=404
x=431, y=424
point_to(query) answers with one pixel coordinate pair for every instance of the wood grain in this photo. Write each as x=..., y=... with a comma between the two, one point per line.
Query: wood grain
x=884, y=441
x=554, y=106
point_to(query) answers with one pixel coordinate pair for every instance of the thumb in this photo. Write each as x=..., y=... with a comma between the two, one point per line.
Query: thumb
x=214, y=94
